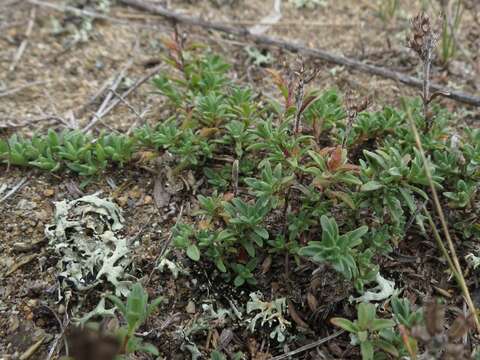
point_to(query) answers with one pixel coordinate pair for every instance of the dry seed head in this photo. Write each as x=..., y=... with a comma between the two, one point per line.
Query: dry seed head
x=423, y=38
x=355, y=104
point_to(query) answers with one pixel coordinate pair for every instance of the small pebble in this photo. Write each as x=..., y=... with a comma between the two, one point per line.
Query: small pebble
x=147, y=200
x=190, y=307
x=48, y=192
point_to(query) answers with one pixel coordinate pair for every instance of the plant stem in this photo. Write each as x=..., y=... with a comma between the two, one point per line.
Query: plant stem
x=426, y=89
x=438, y=207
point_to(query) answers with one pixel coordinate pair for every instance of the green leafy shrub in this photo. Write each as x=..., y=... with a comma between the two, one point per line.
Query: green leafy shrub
x=335, y=249
x=368, y=331
x=267, y=188
x=135, y=312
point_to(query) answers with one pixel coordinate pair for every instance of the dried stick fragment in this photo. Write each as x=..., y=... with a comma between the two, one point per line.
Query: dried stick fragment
x=100, y=112
x=18, y=89
x=23, y=261
x=23, y=45
x=14, y=190
x=309, y=346
x=127, y=92
x=314, y=53
x=32, y=349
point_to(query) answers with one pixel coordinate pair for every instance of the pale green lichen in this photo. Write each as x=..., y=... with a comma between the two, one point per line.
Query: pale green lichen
x=270, y=313
x=384, y=290
x=85, y=234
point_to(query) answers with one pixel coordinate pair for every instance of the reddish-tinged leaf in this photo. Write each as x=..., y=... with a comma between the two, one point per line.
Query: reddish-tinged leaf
x=335, y=160
x=242, y=256
x=326, y=150
x=351, y=167
x=307, y=102
x=171, y=45
x=407, y=341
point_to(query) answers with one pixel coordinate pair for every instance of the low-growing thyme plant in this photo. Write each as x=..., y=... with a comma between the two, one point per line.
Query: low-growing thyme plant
x=278, y=173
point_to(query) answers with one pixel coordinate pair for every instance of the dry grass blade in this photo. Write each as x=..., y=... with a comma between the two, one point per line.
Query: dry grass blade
x=438, y=207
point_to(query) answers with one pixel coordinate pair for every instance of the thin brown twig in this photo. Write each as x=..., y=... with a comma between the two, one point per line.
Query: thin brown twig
x=127, y=92
x=91, y=14
x=81, y=109
x=100, y=112
x=127, y=104
x=23, y=45
x=313, y=52
x=309, y=346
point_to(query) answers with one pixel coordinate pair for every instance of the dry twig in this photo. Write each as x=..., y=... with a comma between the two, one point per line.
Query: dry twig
x=314, y=53
x=100, y=112
x=23, y=45
x=309, y=346
x=16, y=90
x=14, y=189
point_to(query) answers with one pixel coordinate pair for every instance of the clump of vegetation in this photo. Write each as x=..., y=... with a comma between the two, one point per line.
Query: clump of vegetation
x=368, y=331
x=280, y=173
x=387, y=10
x=135, y=311
x=452, y=20
x=309, y=4
x=292, y=184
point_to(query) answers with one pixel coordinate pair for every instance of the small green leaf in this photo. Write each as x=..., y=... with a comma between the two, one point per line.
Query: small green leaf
x=345, y=324
x=379, y=324
x=239, y=281
x=387, y=347
x=371, y=186
x=220, y=265
x=262, y=232
x=193, y=252
x=366, y=348
x=366, y=314
x=118, y=303
x=149, y=348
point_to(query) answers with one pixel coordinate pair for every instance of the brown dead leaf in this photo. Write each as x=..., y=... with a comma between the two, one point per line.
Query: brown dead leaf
x=434, y=318
x=312, y=301
x=459, y=328
x=160, y=195
x=228, y=196
x=207, y=132
x=266, y=264
x=204, y=225
x=295, y=316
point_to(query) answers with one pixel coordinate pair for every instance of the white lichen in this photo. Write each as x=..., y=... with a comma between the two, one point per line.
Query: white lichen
x=270, y=313
x=85, y=235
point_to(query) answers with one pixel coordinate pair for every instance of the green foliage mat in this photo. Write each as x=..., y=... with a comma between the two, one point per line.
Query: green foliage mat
x=293, y=185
